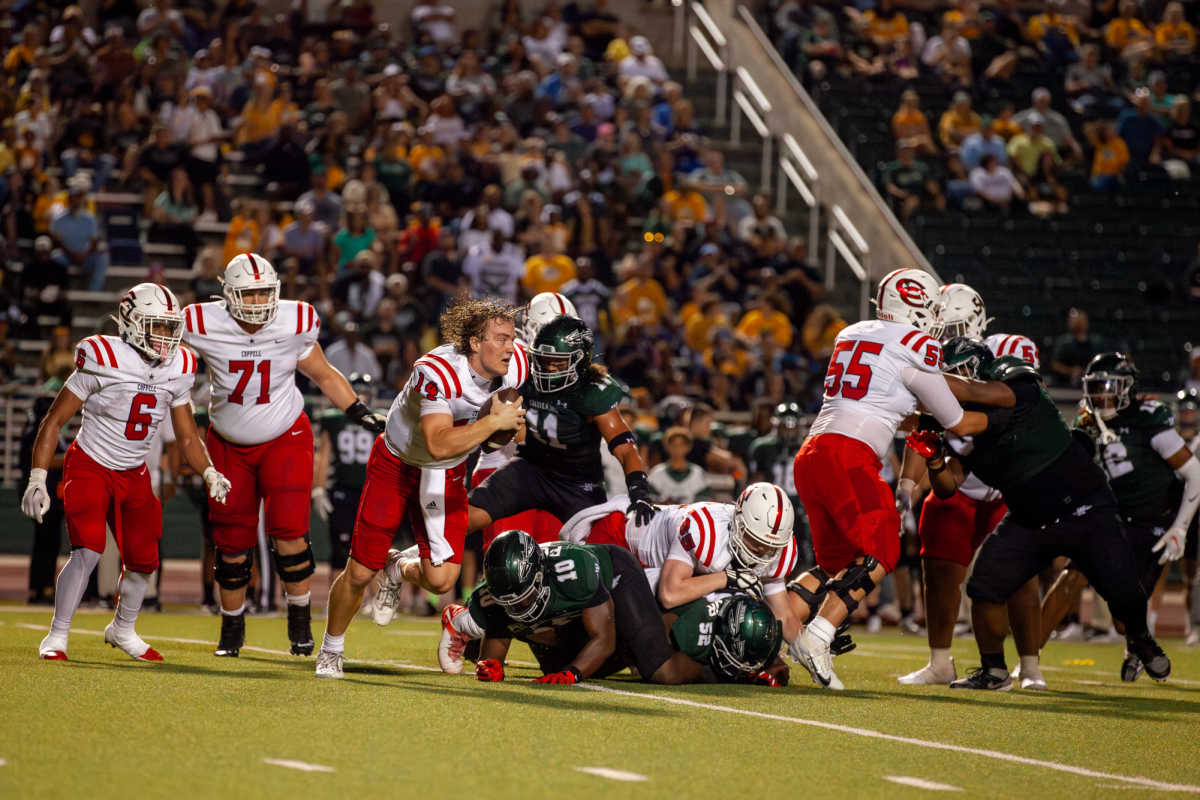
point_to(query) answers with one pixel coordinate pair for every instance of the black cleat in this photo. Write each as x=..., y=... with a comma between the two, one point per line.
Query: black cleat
x=233, y=636
x=1146, y=649
x=985, y=680
x=1132, y=668
x=300, y=630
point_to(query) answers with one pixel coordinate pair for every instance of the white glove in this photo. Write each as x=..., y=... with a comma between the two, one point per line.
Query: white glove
x=1171, y=543
x=218, y=485
x=904, y=490
x=322, y=503
x=36, y=501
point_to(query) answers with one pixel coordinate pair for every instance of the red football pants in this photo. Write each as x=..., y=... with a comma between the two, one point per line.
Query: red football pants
x=95, y=496
x=953, y=529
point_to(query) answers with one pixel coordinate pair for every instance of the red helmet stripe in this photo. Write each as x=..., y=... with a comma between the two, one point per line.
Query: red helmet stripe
x=253, y=263
x=562, y=309
x=778, y=510
x=167, y=296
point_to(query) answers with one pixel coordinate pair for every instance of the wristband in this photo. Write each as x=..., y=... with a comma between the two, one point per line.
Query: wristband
x=37, y=476
x=624, y=437
x=940, y=466
x=637, y=478
x=356, y=411
x=571, y=668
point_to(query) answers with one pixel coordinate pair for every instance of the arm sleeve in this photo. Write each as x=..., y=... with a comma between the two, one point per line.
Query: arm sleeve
x=1190, y=472
x=936, y=396
x=1167, y=443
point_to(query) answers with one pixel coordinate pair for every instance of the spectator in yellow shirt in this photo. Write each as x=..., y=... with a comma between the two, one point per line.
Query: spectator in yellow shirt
x=547, y=271
x=1175, y=35
x=964, y=14
x=21, y=57
x=261, y=120
x=1127, y=30
x=697, y=331
x=958, y=122
x=820, y=331
x=1052, y=23
x=885, y=25
x=1112, y=155
x=641, y=296
x=686, y=202
x=770, y=317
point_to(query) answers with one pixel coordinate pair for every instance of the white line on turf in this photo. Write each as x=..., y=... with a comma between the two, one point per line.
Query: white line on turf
x=870, y=734
x=921, y=783
x=1123, y=786
x=612, y=774
x=412, y=633
x=303, y=766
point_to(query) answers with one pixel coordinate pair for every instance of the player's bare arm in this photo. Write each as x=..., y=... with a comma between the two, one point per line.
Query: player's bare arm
x=601, y=628
x=321, y=461
x=334, y=385
x=188, y=440
x=36, y=501
x=492, y=652
x=445, y=441
x=984, y=393
x=623, y=445
x=782, y=609
x=678, y=586
x=946, y=473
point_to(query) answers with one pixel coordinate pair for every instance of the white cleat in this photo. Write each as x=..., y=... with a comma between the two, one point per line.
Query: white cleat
x=130, y=643
x=1193, y=638
x=452, y=644
x=329, y=665
x=53, y=648
x=1034, y=683
x=1073, y=632
x=814, y=656
x=874, y=624
x=928, y=676
x=383, y=607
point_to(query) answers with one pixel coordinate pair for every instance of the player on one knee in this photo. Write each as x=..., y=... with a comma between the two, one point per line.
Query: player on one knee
x=735, y=637
x=126, y=385
x=417, y=468
x=254, y=343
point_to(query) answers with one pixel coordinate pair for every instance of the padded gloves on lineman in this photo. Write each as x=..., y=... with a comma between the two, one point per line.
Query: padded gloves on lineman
x=741, y=579
x=36, y=501
x=641, y=507
x=926, y=444
x=490, y=670
x=568, y=676
x=218, y=485
x=359, y=414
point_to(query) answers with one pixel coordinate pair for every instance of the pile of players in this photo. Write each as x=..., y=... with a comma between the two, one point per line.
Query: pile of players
x=680, y=594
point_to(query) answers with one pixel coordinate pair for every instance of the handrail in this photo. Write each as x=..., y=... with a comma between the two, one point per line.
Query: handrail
x=808, y=186
x=857, y=261
x=713, y=30
x=717, y=56
x=757, y=116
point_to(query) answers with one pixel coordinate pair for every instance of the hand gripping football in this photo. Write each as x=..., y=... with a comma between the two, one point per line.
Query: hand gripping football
x=499, y=438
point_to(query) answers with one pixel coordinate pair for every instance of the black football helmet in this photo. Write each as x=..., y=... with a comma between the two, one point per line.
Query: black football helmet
x=965, y=357
x=1110, y=384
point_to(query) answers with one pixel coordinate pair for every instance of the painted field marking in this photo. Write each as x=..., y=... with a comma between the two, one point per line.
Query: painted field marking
x=412, y=633
x=612, y=774
x=921, y=783
x=870, y=734
x=303, y=766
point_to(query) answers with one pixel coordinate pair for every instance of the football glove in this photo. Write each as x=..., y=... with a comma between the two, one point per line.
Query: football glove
x=218, y=485
x=490, y=670
x=842, y=643
x=904, y=490
x=322, y=503
x=764, y=678
x=36, y=501
x=740, y=579
x=569, y=676
x=1171, y=543
x=359, y=414
x=641, y=507
x=926, y=444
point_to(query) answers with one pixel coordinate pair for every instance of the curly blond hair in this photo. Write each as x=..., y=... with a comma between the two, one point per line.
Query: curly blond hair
x=468, y=319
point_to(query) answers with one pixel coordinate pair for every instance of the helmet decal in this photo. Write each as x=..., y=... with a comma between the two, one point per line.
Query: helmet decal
x=911, y=292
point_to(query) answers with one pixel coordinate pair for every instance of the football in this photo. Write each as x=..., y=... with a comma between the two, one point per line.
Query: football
x=499, y=438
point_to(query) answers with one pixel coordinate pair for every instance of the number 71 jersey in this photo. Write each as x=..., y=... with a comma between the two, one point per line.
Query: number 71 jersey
x=865, y=394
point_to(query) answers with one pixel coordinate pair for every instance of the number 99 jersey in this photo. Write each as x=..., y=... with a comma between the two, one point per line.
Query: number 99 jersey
x=125, y=398
x=351, y=449
x=865, y=393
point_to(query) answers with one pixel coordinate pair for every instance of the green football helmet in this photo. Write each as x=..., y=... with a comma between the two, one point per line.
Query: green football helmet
x=747, y=637
x=560, y=354
x=512, y=570
x=1187, y=403
x=1109, y=384
x=965, y=357
x=364, y=386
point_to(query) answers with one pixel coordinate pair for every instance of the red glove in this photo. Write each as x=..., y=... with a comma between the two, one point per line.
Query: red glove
x=490, y=669
x=926, y=444
x=570, y=675
x=764, y=678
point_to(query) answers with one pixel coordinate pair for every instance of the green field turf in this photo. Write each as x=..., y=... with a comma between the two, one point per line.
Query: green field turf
x=199, y=727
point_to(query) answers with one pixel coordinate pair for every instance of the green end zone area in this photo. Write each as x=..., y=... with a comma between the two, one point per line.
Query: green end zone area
x=102, y=725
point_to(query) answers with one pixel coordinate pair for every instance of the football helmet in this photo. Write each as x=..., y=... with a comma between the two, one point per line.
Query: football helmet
x=965, y=356
x=245, y=273
x=763, y=514
x=363, y=386
x=1109, y=384
x=788, y=420
x=963, y=313
x=541, y=309
x=560, y=354
x=912, y=296
x=747, y=637
x=1187, y=401
x=512, y=570
x=150, y=320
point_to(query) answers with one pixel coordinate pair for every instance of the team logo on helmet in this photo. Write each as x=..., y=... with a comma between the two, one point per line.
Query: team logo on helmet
x=911, y=292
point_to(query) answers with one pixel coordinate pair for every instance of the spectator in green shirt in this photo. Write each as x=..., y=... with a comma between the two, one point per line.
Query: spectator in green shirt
x=909, y=182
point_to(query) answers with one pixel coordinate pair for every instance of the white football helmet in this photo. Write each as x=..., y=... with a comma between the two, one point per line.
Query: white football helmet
x=763, y=514
x=542, y=308
x=963, y=313
x=251, y=272
x=150, y=320
x=912, y=296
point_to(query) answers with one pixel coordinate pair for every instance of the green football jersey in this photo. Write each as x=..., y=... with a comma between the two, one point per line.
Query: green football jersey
x=1140, y=477
x=574, y=573
x=773, y=457
x=693, y=630
x=351, y=449
x=559, y=439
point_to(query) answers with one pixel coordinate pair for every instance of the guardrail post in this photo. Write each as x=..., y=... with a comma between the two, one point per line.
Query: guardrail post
x=830, y=255
x=722, y=85
x=691, y=58
x=765, y=183
x=864, y=297
x=8, y=440
x=814, y=226
x=680, y=24
x=735, y=119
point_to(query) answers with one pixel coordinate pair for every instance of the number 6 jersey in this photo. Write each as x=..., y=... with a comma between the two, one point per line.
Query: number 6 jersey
x=125, y=398
x=254, y=394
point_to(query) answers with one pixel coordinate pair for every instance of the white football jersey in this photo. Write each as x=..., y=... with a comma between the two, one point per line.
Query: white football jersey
x=698, y=534
x=443, y=382
x=125, y=398
x=254, y=393
x=1002, y=344
x=865, y=395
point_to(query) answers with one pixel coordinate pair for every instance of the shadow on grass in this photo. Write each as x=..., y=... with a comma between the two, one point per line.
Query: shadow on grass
x=171, y=668
x=1063, y=702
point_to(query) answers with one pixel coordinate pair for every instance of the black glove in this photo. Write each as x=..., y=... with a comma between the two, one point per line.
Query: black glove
x=368, y=419
x=740, y=579
x=640, y=505
x=842, y=643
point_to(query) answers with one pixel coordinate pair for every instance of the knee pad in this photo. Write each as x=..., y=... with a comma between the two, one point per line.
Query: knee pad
x=232, y=575
x=813, y=599
x=857, y=577
x=296, y=567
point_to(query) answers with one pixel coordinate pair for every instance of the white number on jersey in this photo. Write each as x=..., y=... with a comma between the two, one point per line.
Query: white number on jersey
x=1116, y=460
x=354, y=446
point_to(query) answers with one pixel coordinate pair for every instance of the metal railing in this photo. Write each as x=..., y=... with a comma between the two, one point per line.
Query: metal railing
x=716, y=51
x=808, y=185
x=838, y=223
x=758, y=113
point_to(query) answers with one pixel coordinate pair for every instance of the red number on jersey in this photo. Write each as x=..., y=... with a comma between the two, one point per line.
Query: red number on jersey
x=1027, y=353
x=834, y=383
x=430, y=388
x=933, y=355
x=247, y=369
x=80, y=358
x=138, y=427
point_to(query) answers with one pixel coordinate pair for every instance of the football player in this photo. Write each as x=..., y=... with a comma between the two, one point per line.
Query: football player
x=586, y=611
x=951, y=530
x=1059, y=504
x=126, y=386
x=253, y=343
x=418, y=467
x=1187, y=403
x=1144, y=457
x=735, y=637
x=878, y=372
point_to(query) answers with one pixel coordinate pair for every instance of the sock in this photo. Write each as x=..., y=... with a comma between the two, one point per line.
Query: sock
x=822, y=629
x=993, y=661
x=72, y=583
x=298, y=599
x=1029, y=666
x=334, y=644
x=465, y=625
x=392, y=569
x=133, y=591
x=939, y=659
x=410, y=552
x=237, y=612
x=1151, y=620
x=207, y=596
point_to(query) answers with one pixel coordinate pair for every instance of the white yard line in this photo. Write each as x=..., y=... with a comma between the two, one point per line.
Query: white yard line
x=921, y=783
x=612, y=774
x=303, y=766
x=999, y=756
x=412, y=633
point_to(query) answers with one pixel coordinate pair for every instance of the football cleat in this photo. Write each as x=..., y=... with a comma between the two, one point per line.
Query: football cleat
x=233, y=636
x=874, y=624
x=907, y=625
x=1131, y=668
x=814, y=656
x=928, y=676
x=1193, y=638
x=53, y=648
x=300, y=630
x=1073, y=632
x=1152, y=657
x=130, y=643
x=1034, y=683
x=984, y=679
x=329, y=665
x=452, y=644
x=383, y=607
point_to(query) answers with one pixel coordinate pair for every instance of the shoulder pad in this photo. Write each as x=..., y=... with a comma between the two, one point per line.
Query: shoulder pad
x=95, y=352
x=1009, y=369
x=600, y=396
x=1152, y=413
